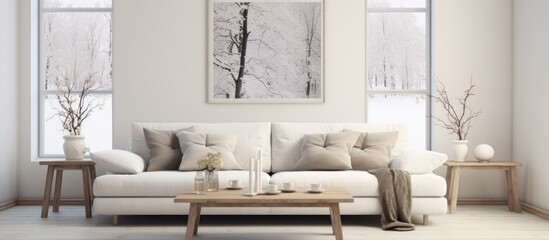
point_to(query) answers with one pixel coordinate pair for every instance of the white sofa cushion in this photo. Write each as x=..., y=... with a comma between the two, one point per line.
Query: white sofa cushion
x=251, y=138
x=287, y=139
x=360, y=183
x=159, y=183
x=119, y=161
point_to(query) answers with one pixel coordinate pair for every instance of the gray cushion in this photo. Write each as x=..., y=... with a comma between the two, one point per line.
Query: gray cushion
x=370, y=158
x=379, y=138
x=195, y=146
x=164, y=148
x=373, y=150
x=326, y=151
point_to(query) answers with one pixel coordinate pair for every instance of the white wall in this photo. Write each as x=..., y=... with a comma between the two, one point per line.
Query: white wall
x=161, y=68
x=8, y=101
x=31, y=176
x=474, y=36
x=530, y=98
x=160, y=76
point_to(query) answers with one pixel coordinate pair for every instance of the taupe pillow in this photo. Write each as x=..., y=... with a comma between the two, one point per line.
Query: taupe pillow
x=195, y=146
x=164, y=148
x=370, y=158
x=373, y=150
x=380, y=138
x=326, y=151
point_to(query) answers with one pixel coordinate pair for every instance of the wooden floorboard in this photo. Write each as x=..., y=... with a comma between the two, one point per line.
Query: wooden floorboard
x=470, y=222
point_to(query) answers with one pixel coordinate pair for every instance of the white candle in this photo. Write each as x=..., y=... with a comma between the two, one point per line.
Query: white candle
x=258, y=173
x=251, y=177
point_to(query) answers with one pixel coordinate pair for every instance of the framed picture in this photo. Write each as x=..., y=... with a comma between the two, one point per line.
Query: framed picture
x=266, y=51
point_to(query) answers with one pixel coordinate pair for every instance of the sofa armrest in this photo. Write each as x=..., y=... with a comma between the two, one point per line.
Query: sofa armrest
x=119, y=161
x=418, y=162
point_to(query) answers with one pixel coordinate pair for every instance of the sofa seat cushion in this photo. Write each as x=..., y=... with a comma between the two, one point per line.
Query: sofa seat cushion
x=159, y=183
x=360, y=183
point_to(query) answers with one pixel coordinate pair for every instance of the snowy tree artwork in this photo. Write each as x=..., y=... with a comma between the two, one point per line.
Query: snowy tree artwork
x=266, y=51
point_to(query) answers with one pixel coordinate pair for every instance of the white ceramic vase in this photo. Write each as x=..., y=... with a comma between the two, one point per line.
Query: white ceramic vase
x=460, y=150
x=74, y=147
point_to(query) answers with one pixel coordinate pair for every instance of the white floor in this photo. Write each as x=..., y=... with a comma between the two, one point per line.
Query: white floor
x=470, y=222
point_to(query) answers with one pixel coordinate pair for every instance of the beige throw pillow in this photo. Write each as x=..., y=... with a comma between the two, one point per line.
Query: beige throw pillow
x=326, y=151
x=164, y=148
x=373, y=150
x=370, y=158
x=195, y=146
x=380, y=138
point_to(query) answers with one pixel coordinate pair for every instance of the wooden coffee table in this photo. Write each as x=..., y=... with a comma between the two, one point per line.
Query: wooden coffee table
x=330, y=198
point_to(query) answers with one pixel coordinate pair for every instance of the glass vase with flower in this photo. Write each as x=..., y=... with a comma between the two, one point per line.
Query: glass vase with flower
x=210, y=164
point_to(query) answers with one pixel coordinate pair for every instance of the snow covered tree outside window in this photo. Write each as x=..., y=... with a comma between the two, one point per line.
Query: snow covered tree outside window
x=266, y=51
x=75, y=46
x=398, y=65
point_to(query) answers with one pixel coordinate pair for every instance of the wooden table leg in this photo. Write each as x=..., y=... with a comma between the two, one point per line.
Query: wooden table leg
x=57, y=191
x=198, y=210
x=456, y=171
x=510, y=202
x=332, y=220
x=47, y=192
x=86, y=182
x=515, y=190
x=336, y=221
x=92, y=173
x=448, y=183
x=192, y=222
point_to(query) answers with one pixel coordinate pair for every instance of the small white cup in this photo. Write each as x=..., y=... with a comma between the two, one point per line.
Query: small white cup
x=272, y=188
x=316, y=186
x=235, y=183
x=289, y=186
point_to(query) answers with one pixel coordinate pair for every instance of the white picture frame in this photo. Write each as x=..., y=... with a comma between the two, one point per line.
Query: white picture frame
x=283, y=52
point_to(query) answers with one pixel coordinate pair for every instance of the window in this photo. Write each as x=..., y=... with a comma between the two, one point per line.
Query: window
x=398, y=66
x=75, y=48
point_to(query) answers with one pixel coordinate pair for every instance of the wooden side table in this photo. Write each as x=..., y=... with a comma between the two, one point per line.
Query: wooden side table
x=88, y=176
x=454, y=170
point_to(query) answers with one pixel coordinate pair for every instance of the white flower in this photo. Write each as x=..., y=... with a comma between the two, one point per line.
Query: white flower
x=212, y=161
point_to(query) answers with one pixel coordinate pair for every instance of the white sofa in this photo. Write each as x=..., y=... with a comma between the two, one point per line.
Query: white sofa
x=152, y=193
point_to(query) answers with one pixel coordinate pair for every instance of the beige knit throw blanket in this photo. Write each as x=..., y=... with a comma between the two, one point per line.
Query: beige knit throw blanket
x=395, y=195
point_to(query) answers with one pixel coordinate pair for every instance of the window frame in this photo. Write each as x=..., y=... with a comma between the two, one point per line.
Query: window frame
x=42, y=92
x=428, y=64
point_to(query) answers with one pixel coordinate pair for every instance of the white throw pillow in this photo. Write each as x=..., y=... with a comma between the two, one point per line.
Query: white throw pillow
x=195, y=146
x=419, y=162
x=119, y=161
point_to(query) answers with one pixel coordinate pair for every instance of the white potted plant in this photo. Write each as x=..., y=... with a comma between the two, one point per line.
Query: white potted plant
x=459, y=117
x=75, y=106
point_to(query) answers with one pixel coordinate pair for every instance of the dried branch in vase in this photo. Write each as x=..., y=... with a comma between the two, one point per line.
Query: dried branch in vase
x=459, y=117
x=75, y=101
